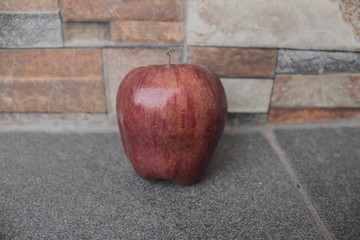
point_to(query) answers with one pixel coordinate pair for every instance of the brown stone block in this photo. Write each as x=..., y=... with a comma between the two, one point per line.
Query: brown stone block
x=51, y=63
x=140, y=10
x=329, y=90
x=235, y=62
x=52, y=95
x=296, y=114
x=146, y=33
x=61, y=80
x=28, y=6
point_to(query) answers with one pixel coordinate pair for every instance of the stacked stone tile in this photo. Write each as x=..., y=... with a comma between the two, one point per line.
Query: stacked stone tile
x=316, y=86
x=278, y=60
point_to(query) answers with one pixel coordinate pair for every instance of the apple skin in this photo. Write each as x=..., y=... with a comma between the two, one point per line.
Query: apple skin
x=171, y=118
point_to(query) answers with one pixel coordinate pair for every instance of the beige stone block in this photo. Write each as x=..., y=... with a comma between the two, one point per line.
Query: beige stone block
x=304, y=24
x=86, y=34
x=247, y=95
x=350, y=10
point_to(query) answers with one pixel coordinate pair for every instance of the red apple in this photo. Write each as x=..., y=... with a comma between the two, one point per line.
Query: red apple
x=171, y=118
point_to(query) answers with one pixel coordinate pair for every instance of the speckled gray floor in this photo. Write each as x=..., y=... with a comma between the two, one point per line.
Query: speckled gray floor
x=327, y=162
x=262, y=184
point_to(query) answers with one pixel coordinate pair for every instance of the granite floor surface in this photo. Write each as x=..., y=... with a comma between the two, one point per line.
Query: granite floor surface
x=265, y=183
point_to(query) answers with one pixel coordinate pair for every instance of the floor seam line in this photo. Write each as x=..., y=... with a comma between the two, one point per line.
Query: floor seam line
x=270, y=136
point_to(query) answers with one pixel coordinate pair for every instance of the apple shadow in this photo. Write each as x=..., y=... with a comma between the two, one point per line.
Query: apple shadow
x=229, y=156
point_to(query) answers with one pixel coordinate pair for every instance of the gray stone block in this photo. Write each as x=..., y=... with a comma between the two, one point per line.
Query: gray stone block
x=327, y=162
x=243, y=118
x=30, y=30
x=317, y=62
x=81, y=186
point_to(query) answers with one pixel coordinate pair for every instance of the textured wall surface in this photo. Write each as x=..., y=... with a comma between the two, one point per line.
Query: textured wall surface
x=304, y=24
x=62, y=60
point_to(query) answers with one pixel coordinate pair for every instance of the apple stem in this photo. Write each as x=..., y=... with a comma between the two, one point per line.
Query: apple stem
x=168, y=53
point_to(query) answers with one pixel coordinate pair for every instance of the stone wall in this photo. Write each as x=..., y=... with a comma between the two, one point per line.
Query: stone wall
x=61, y=61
